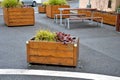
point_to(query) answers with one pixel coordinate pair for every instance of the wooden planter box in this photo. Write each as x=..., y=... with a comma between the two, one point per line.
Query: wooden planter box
x=108, y=18
x=51, y=10
x=118, y=22
x=54, y=53
x=42, y=9
x=18, y=16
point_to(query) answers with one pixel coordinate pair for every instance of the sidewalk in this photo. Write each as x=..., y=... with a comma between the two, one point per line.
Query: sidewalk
x=99, y=47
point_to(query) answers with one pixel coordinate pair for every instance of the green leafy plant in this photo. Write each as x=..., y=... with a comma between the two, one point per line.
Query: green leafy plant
x=57, y=2
x=45, y=3
x=45, y=35
x=11, y=3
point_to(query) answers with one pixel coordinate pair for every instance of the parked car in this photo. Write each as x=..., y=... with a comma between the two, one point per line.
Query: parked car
x=31, y=2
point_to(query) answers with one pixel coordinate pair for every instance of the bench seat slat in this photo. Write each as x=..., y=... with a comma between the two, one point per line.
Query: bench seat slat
x=70, y=14
x=56, y=16
x=67, y=20
x=84, y=18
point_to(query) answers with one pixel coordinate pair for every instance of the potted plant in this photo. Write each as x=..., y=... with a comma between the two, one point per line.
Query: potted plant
x=53, y=6
x=17, y=15
x=53, y=48
x=42, y=8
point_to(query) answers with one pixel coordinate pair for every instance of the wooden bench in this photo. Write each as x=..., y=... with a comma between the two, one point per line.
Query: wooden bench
x=97, y=19
x=56, y=16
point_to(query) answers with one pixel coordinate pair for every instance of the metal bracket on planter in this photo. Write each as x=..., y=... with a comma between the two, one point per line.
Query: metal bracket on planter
x=27, y=42
x=75, y=45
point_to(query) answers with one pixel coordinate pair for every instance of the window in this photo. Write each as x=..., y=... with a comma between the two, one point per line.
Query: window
x=109, y=3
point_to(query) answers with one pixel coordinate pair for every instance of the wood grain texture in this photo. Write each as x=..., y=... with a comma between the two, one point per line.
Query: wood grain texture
x=19, y=16
x=51, y=10
x=42, y=9
x=52, y=53
x=118, y=23
x=108, y=18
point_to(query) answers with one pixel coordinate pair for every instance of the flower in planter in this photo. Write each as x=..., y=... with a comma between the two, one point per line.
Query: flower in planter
x=65, y=38
x=46, y=35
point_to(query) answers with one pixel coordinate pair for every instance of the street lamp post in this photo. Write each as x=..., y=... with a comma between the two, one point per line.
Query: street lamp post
x=89, y=5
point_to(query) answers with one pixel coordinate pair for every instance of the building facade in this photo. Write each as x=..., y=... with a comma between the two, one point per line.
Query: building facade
x=104, y=5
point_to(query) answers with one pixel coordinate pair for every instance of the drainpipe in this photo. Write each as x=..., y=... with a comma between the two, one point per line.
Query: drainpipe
x=79, y=3
x=89, y=5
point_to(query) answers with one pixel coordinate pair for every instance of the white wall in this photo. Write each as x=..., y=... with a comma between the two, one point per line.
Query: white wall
x=100, y=4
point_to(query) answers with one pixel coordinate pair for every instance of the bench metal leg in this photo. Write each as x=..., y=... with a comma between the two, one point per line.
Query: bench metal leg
x=55, y=18
x=102, y=22
x=97, y=23
x=65, y=22
x=68, y=23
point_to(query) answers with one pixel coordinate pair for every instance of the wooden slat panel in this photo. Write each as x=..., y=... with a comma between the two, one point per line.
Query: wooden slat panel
x=6, y=17
x=87, y=13
x=19, y=24
x=20, y=9
x=118, y=23
x=41, y=9
x=19, y=13
x=51, y=10
x=19, y=16
x=51, y=60
x=21, y=20
x=51, y=53
x=51, y=45
x=107, y=17
x=76, y=53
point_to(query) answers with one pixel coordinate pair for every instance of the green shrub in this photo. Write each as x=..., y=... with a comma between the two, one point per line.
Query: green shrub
x=11, y=3
x=45, y=3
x=57, y=2
x=45, y=35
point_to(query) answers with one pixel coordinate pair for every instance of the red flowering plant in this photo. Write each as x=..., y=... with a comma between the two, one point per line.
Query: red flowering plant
x=65, y=38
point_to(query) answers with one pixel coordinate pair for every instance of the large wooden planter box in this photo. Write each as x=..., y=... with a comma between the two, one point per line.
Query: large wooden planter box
x=42, y=9
x=55, y=53
x=118, y=22
x=18, y=16
x=108, y=18
x=51, y=10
